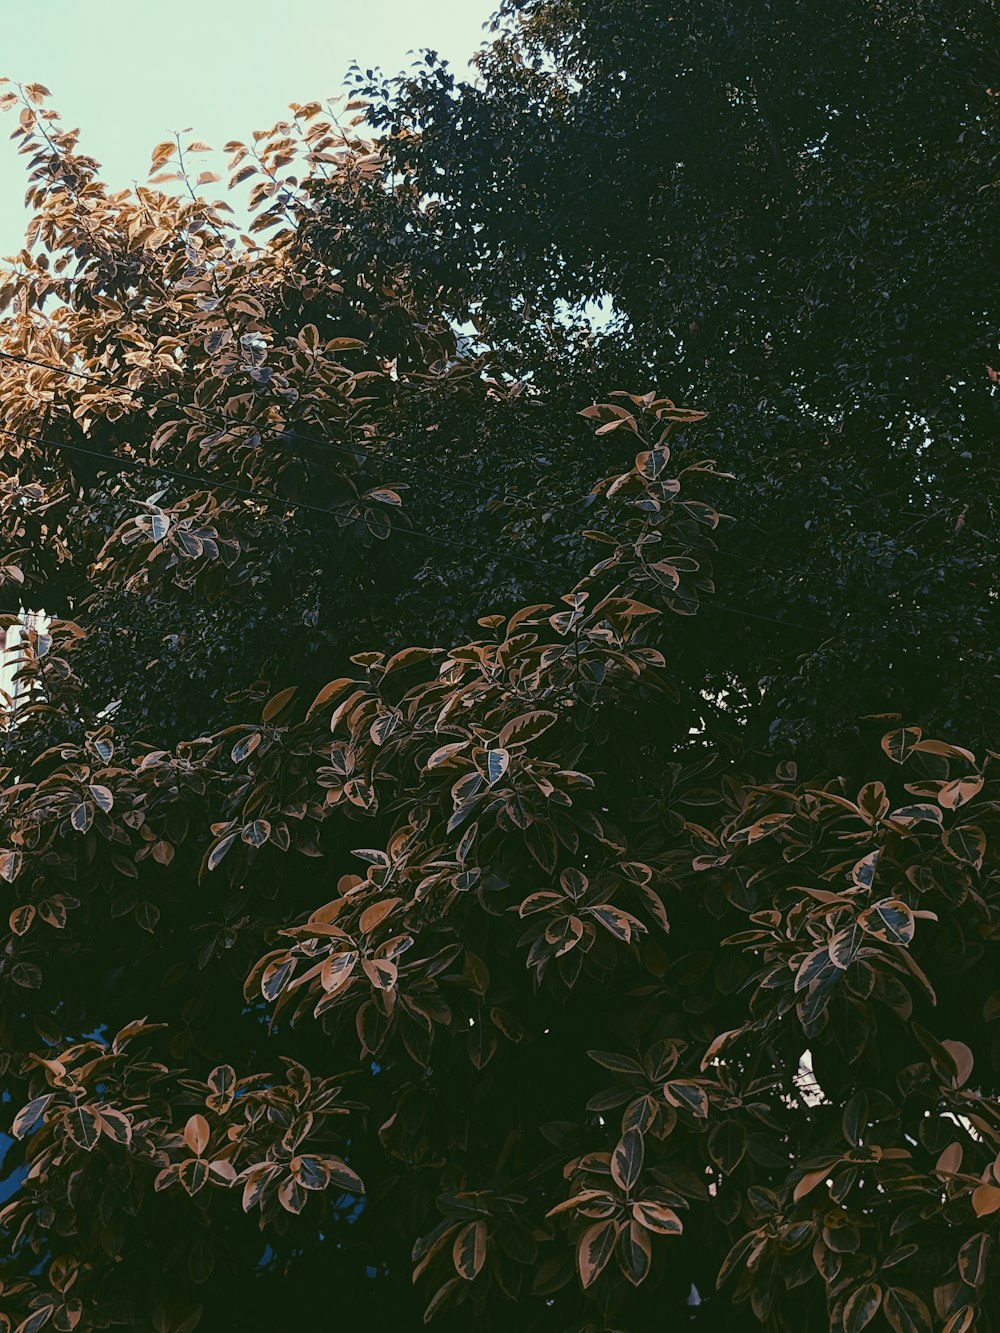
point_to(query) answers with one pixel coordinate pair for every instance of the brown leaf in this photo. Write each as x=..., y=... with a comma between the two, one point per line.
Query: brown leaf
x=278, y=703
x=469, y=1250
x=862, y=1307
x=595, y=1248
x=196, y=1134
x=626, y=1160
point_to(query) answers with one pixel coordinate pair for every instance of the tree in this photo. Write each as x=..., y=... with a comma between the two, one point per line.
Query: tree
x=791, y=210
x=489, y=965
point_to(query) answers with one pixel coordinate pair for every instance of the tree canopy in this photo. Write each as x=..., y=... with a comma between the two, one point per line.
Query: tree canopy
x=481, y=839
x=791, y=209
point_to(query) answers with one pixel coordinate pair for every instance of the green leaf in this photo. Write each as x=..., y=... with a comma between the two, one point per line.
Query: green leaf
x=862, y=1307
x=684, y=1093
x=527, y=727
x=595, y=1248
x=626, y=1160
x=469, y=1250
x=966, y=843
x=275, y=978
x=83, y=1125
x=906, y=1312
x=899, y=744
x=635, y=1252
x=496, y=765
x=278, y=703
x=889, y=920
x=343, y=1177
x=219, y=850
x=657, y=1217
x=28, y=1116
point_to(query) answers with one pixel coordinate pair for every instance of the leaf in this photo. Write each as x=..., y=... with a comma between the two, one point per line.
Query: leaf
x=116, y=1125
x=146, y=916
x=718, y=1044
x=343, y=1177
x=899, y=744
x=219, y=850
x=312, y=1173
x=196, y=1134
x=380, y=972
x=956, y=793
x=727, y=1144
x=193, y=1175
x=682, y=1092
x=950, y=1161
x=873, y=802
x=469, y=1250
x=244, y=748
x=854, y=1120
x=585, y=1196
x=222, y=1088
x=278, y=703
x=564, y=934
x=375, y=914
x=736, y=1256
x=985, y=1200
x=53, y=911
x=10, y=864
x=844, y=945
x=966, y=843
x=28, y=1116
x=527, y=727
x=862, y=1307
x=657, y=1217
x=275, y=977
x=963, y=1060
x=496, y=765
x=37, y=1320
x=595, y=1248
x=21, y=918
x=809, y=1181
x=257, y=833
x=626, y=1160
x=103, y=797
x=83, y=1125
x=863, y=873
x=635, y=1252
x=291, y=1195
x=618, y=923
x=337, y=970
x=440, y=1298
x=618, y=1064
x=445, y=752
x=256, y=1184
x=889, y=920
x=906, y=1312
x=961, y=1321
x=946, y=750
x=973, y=1259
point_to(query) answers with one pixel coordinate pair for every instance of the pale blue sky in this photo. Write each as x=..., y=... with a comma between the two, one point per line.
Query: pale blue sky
x=128, y=72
